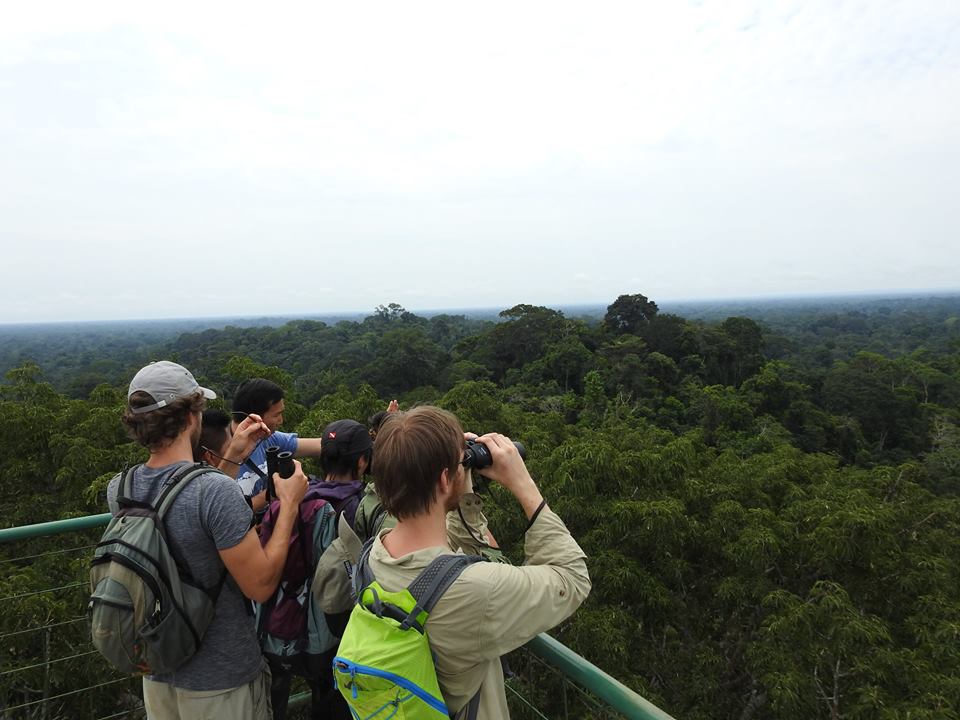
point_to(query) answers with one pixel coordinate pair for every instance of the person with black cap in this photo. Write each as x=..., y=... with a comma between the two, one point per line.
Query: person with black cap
x=346, y=454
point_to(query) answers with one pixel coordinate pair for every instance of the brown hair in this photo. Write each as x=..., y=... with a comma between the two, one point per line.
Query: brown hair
x=159, y=427
x=413, y=448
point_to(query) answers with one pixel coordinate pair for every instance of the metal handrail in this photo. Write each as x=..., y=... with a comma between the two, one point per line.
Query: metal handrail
x=575, y=667
x=55, y=527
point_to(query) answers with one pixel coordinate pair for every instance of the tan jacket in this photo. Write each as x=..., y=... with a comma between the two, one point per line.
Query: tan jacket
x=493, y=608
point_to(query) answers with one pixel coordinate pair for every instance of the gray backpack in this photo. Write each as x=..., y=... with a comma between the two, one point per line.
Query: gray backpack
x=147, y=614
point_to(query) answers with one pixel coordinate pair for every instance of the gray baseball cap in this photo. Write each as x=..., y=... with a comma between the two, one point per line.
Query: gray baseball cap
x=165, y=382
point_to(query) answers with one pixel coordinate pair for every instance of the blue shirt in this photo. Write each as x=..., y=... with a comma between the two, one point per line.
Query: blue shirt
x=251, y=483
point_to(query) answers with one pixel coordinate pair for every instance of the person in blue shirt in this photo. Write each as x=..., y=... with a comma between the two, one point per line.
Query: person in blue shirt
x=264, y=398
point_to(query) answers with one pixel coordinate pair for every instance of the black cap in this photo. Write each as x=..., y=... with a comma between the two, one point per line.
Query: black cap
x=343, y=438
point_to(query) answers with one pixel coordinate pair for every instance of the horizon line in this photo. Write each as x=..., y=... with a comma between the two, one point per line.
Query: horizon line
x=431, y=311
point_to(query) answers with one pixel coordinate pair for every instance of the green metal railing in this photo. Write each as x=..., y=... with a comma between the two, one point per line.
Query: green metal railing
x=54, y=672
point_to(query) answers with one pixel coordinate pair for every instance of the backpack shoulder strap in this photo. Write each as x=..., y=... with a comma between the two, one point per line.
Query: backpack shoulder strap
x=351, y=541
x=430, y=585
x=363, y=576
x=370, y=514
x=125, y=487
x=163, y=501
x=172, y=487
x=428, y=588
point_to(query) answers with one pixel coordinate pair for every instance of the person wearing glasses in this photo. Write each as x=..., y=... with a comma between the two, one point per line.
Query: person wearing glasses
x=263, y=399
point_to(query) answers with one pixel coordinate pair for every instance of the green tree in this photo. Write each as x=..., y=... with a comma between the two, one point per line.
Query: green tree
x=629, y=314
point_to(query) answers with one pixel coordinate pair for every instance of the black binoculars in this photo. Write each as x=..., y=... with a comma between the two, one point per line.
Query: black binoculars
x=277, y=462
x=477, y=457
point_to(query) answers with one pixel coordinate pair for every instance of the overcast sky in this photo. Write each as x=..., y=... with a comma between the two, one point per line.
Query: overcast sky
x=193, y=159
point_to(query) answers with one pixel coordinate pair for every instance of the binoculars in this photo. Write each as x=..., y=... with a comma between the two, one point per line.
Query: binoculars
x=477, y=457
x=277, y=462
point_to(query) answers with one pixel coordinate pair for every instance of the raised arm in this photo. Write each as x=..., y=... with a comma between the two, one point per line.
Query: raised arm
x=245, y=438
x=307, y=447
x=257, y=569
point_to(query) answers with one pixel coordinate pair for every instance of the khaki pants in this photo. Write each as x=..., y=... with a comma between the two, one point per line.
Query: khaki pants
x=163, y=701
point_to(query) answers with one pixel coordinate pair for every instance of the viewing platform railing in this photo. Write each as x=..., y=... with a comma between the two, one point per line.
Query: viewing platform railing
x=49, y=669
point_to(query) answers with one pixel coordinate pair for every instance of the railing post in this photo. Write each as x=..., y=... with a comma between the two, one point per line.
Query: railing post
x=44, y=708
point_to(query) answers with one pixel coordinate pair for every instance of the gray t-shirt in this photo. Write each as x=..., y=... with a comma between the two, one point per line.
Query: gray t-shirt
x=208, y=515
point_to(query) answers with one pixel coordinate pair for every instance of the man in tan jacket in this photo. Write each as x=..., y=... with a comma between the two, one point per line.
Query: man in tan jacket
x=492, y=608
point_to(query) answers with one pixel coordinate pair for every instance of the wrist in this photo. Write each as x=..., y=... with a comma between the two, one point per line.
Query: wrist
x=529, y=497
x=288, y=507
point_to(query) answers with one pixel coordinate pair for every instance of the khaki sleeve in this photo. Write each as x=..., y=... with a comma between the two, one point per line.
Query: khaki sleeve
x=467, y=526
x=518, y=603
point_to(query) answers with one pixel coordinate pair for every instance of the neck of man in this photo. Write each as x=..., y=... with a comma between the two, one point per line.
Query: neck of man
x=331, y=478
x=418, y=532
x=178, y=450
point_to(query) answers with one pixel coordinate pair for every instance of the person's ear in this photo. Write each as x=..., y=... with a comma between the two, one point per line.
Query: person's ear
x=445, y=483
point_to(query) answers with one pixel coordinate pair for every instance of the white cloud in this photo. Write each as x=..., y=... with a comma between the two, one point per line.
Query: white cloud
x=677, y=149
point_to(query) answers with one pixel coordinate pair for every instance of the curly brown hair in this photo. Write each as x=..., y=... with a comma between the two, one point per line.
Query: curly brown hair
x=160, y=427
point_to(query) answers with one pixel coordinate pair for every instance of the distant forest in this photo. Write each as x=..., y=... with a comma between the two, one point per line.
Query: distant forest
x=768, y=492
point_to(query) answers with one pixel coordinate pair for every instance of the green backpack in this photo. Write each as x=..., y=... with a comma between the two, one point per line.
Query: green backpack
x=384, y=667
x=147, y=615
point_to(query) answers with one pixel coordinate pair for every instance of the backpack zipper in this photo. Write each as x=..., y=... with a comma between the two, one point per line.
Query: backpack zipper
x=354, y=669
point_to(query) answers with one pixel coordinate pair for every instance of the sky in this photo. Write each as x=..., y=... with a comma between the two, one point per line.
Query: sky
x=172, y=159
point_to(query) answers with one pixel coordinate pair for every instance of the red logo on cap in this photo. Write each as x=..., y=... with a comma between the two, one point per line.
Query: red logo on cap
x=331, y=434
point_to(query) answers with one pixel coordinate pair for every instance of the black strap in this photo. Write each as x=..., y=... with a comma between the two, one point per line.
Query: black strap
x=251, y=465
x=125, y=488
x=430, y=585
x=162, y=503
x=377, y=522
x=471, y=709
x=536, y=514
x=172, y=487
x=363, y=576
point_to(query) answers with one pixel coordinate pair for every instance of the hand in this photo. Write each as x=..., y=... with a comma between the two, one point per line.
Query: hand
x=290, y=491
x=245, y=438
x=509, y=470
x=393, y=407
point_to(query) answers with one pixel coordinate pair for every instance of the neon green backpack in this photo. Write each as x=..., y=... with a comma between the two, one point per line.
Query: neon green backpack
x=384, y=666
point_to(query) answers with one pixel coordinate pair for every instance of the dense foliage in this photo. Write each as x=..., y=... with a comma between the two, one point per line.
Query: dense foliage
x=769, y=504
